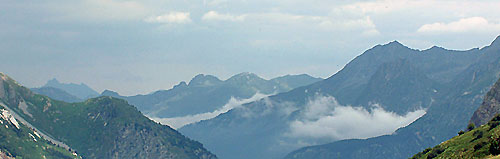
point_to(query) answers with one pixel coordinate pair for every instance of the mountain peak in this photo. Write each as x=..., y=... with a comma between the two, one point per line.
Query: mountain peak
x=181, y=85
x=53, y=81
x=110, y=93
x=204, y=80
x=435, y=48
x=394, y=43
x=247, y=75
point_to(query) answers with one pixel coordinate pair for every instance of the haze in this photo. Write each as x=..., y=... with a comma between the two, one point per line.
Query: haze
x=140, y=46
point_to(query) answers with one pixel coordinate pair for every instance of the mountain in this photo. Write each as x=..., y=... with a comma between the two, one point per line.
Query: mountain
x=448, y=114
x=489, y=108
x=388, y=80
x=207, y=93
x=57, y=94
x=19, y=141
x=481, y=142
x=102, y=127
x=81, y=91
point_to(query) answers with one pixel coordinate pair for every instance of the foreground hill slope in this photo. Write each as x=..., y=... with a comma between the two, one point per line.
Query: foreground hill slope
x=103, y=127
x=481, y=142
x=19, y=141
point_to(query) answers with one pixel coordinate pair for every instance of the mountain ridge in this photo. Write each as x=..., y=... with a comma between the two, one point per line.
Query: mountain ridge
x=463, y=96
x=444, y=68
x=123, y=132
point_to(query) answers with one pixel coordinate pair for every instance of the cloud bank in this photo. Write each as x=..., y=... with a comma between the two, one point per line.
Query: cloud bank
x=171, y=18
x=214, y=16
x=179, y=122
x=324, y=117
x=473, y=24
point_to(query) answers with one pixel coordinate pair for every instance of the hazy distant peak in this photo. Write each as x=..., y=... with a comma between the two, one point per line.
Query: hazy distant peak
x=391, y=45
x=299, y=76
x=435, y=48
x=81, y=90
x=110, y=93
x=180, y=85
x=245, y=76
x=53, y=81
x=394, y=43
x=204, y=80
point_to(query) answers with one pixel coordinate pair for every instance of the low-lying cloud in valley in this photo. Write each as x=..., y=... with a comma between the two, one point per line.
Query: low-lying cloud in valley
x=324, y=117
x=179, y=122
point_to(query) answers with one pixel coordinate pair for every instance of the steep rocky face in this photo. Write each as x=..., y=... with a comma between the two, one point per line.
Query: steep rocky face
x=103, y=127
x=402, y=81
x=489, y=108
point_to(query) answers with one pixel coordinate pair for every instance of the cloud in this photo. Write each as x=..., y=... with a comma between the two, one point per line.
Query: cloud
x=214, y=16
x=473, y=24
x=335, y=23
x=171, y=18
x=324, y=117
x=179, y=122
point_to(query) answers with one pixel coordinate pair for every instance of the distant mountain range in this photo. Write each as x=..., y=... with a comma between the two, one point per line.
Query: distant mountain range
x=67, y=91
x=207, y=93
x=57, y=94
x=448, y=85
x=103, y=127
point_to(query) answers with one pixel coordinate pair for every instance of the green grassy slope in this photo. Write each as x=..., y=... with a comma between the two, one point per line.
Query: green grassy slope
x=22, y=143
x=103, y=127
x=481, y=142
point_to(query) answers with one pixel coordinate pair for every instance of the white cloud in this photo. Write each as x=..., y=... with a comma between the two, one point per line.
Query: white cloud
x=214, y=16
x=179, y=122
x=473, y=24
x=324, y=23
x=171, y=18
x=324, y=117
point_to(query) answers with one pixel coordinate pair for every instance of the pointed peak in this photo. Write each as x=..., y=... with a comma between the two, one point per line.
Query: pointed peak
x=181, y=85
x=245, y=76
x=110, y=93
x=395, y=42
x=204, y=80
x=435, y=48
x=54, y=81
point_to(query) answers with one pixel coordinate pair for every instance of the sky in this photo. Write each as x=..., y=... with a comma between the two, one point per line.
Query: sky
x=136, y=47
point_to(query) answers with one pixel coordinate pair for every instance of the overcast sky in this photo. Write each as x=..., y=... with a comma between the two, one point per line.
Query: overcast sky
x=140, y=46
